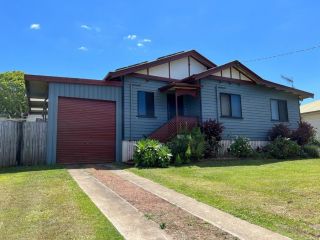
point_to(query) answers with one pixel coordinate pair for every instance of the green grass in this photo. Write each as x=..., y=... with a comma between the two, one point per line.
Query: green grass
x=281, y=196
x=45, y=203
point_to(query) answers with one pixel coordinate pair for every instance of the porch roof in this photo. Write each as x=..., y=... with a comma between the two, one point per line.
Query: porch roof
x=181, y=88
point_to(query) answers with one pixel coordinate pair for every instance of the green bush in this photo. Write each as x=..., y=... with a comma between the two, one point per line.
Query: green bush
x=241, y=147
x=283, y=148
x=312, y=151
x=187, y=146
x=151, y=153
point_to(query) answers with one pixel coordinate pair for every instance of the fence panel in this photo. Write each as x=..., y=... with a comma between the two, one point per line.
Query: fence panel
x=34, y=143
x=128, y=148
x=9, y=132
x=22, y=141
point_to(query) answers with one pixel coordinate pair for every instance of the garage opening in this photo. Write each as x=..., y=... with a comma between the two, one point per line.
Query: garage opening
x=86, y=131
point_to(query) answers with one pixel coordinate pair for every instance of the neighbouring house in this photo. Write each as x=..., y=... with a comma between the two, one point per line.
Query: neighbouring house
x=99, y=120
x=310, y=113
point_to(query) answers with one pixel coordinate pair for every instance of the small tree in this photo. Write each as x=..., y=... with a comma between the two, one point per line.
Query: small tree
x=212, y=131
x=13, y=101
x=279, y=130
x=304, y=133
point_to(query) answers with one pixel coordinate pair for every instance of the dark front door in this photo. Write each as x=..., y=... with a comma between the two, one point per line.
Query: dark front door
x=171, y=105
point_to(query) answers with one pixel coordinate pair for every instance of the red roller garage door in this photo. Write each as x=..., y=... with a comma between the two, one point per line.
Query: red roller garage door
x=86, y=131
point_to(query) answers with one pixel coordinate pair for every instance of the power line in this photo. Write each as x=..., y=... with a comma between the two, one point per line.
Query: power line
x=283, y=54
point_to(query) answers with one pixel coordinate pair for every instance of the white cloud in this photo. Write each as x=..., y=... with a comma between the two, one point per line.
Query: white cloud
x=89, y=28
x=83, y=48
x=131, y=36
x=86, y=27
x=146, y=40
x=140, y=44
x=35, y=26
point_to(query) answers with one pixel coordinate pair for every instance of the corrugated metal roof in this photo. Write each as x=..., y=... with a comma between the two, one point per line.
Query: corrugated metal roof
x=310, y=107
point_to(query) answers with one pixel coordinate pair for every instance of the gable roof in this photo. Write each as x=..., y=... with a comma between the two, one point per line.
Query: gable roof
x=255, y=79
x=140, y=66
x=236, y=64
x=310, y=107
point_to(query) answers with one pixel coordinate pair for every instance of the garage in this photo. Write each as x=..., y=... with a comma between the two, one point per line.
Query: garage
x=86, y=131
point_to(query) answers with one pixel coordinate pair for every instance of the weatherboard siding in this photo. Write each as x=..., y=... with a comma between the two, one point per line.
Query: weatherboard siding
x=86, y=92
x=191, y=106
x=138, y=127
x=256, y=110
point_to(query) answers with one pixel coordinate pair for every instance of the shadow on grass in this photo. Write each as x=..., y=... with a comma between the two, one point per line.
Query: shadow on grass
x=237, y=162
x=17, y=169
x=214, y=162
x=220, y=162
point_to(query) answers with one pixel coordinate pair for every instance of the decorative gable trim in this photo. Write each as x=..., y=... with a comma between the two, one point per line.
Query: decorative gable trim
x=147, y=65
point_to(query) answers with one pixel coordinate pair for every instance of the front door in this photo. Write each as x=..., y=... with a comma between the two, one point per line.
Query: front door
x=171, y=106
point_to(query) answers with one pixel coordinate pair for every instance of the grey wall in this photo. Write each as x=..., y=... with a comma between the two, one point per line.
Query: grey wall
x=256, y=111
x=138, y=127
x=86, y=92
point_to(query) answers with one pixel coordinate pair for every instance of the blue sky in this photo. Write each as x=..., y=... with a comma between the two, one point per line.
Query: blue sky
x=89, y=38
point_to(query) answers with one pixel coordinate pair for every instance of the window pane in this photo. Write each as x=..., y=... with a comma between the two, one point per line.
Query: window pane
x=150, y=104
x=236, y=105
x=225, y=105
x=145, y=103
x=283, y=111
x=141, y=103
x=274, y=110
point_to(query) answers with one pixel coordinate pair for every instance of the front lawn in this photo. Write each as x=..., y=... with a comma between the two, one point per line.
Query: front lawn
x=281, y=196
x=45, y=203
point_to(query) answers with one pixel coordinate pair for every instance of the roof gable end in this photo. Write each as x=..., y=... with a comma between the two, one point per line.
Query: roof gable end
x=160, y=62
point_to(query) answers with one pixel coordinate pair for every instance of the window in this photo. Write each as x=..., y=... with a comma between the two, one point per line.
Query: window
x=279, y=110
x=230, y=105
x=145, y=104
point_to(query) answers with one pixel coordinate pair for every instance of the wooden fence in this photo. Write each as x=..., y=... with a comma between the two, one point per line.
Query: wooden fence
x=22, y=143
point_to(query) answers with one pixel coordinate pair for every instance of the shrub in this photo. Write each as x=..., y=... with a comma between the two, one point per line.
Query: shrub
x=283, y=148
x=151, y=153
x=187, y=146
x=315, y=141
x=312, y=151
x=212, y=131
x=178, y=146
x=304, y=133
x=241, y=147
x=279, y=130
x=197, y=144
x=177, y=160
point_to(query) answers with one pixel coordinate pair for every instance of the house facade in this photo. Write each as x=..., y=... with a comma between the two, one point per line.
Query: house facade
x=96, y=120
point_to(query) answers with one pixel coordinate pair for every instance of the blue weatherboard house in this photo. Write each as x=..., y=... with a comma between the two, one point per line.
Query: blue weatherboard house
x=98, y=121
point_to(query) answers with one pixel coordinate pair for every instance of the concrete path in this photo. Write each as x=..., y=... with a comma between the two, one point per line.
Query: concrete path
x=233, y=225
x=127, y=220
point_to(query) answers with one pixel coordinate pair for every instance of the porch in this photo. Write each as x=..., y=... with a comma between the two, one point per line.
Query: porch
x=183, y=110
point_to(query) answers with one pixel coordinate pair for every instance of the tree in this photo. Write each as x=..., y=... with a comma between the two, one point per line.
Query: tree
x=13, y=100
